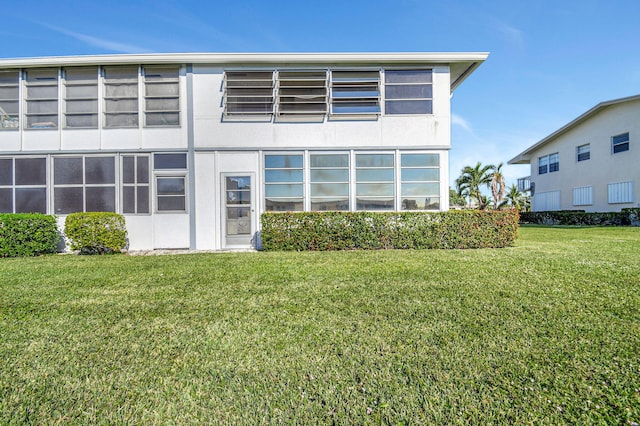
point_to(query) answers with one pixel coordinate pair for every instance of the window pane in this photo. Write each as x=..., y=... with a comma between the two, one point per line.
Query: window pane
x=42, y=107
x=42, y=122
x=161, y=104
x=170, y=186
x=417, y=189
x=238, y=197
x=408, y=92
x=67, y=171
x=171, y=203
x=143, y=169
x=283, y=190
x=419, y=175
x=408, y=76
x=238, y=182
x=83, y=120
x=121, y=120
x=163, y=119
x=121, y=105
x=420, y=160
x=31, y=171
x=329, y=189
x=330, y=175
x=162, y=89
x=421, y=203
x=379, y=189
x=374, y=203
x=82, y=106
x=100, y=170
x=42, y=92
x=84, y=91
x=408, y=107
x=128, y=169
x=6, y=200
x=329, y=160
x=283, y=176
x=169, y=161
x=67, y=200
x=81, y=75
x=101, y=199
x=6, y=171
x=31, y=200
x=334, y=205
x=374, y=175
x=143, y=199
x=283, y=161
x=283, y=205
x=121, y=91
x=128, y=199
x=374, y=160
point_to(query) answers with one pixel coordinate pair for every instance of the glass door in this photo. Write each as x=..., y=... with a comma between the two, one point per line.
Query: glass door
x=238, y=210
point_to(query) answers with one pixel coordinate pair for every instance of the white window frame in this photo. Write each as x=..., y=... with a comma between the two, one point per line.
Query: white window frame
x=354, y=87
x=150, y=98
x=159, y=173
x=406, y=99
x=41, y=82
x=623, y=140
x=67, y=100
x=107, y=82
x=238, y=95
x=586, y=153
x=10, y=120
x=292, y=86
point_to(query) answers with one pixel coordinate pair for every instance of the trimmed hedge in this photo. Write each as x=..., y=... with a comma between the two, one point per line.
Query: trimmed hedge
x=27, y=234
x=625, y=217
x=388, y=230
x=96, y=232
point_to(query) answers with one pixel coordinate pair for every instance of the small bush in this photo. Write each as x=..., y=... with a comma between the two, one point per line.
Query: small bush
x=96, y=232
x=625, y=217
x=398, y=230
x=27, y=234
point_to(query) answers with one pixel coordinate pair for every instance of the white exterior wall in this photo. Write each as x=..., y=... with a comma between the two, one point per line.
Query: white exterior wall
x=603, y=168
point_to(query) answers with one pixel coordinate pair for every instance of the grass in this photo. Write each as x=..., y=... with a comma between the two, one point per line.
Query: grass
x=545, y=332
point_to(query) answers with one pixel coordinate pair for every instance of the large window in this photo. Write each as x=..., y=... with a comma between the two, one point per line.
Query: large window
x=329, y=181
x=120, y=97
x=161, y=96
x=23, y=185
x=408, y=92
x=283, y=182
x=375, y=177
x=9, y=100
x=170, y=172
x=620, y=143
x=84, y=184
x=583, y=152
x=81, y=98
x=249, y=94
x=135, y=184
x=355, y=93
x=548, y=163
x=420, y=181
x=302, y=93
x=42, y=99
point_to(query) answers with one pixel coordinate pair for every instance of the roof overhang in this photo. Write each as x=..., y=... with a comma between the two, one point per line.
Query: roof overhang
x=461, y=64
x=525, y=156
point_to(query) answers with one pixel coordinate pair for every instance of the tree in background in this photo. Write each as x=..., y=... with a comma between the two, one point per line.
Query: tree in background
x=456, y=199
x=516, y=199
x=497, y=185
x=471, y=181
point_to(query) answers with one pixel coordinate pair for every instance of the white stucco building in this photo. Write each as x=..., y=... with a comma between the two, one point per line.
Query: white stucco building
x=591, y=163
x=192, y=148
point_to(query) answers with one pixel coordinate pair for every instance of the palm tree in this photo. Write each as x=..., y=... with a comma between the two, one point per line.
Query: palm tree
x=497, y=185
x=472, y=179
x=516, y=199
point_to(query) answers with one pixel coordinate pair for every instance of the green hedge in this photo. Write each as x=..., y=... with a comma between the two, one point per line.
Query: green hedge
x=625, y=217
x=27, y=234
x=96, y=232
x=376, y=230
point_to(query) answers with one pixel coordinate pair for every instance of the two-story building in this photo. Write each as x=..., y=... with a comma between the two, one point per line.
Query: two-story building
x=589, y=164
x=192, y=148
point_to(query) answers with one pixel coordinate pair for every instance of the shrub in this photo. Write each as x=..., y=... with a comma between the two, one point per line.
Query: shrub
x=625, y=217
x=27, y=234
x=96, y=232
x=398, y=230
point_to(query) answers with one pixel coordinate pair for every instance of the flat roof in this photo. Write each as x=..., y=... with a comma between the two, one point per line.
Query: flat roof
x=524, y=158
x=462, y=64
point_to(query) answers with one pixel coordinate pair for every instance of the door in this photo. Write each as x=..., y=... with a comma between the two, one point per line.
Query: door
x=238, y=216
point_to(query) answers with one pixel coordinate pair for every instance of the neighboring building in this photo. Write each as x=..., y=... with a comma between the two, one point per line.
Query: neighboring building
x=192, y=148
x=590, y=164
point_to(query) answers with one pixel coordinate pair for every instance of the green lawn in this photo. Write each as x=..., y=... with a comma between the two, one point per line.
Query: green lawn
x=545, y=332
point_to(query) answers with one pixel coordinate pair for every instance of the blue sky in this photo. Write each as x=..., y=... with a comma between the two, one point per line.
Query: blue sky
x=549, y=61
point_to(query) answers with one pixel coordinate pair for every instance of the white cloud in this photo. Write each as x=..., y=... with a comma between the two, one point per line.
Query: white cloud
x=456, y=120
x=99, y=42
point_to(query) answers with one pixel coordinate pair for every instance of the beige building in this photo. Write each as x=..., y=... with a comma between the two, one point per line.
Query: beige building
x=590, y=164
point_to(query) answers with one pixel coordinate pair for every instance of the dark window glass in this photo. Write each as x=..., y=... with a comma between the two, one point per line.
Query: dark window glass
x=6, y=200
x=68, y=200
x=143, y=199
x=408, y=107
x=6, y=171
x=143, y=169
x=129, y=199
x=31, y=200
x=171, y=204
x=100, y=170
x=101, y=199
x=67, y=171
x=170, y=186
x=31, y=171
x=128, y=169
x=170, y=161
x=283, y=161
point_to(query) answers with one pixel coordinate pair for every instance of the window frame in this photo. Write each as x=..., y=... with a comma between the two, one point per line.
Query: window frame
x=136, y=185
x=622, y=145
x=52, y=81
x=361, y=93
x=14, y=186
x=407, y=198
x=295, y=88
x=388, y=101
x=10, y=120
x=243, y=87
x=148, y=82
x=303, y=182
x=107, y=99
x=393, y=182
x=325, y=198
x=170, y=173
x=67, y=100
x=585, y=155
